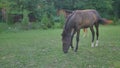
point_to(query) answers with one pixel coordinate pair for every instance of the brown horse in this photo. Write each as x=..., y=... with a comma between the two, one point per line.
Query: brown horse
x=66, y=14
x=81, y=19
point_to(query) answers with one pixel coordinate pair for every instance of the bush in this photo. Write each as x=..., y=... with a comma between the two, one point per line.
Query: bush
x=116, y=21
x=45, y=22
x=62, y=20
x=3, y=27
x=59, y=21
x=25, y=20
x=57, y=25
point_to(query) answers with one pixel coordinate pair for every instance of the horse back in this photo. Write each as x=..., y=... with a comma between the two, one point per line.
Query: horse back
x=84, y=18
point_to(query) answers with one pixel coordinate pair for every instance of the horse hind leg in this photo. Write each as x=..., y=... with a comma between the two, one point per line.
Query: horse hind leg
x=93, y=34
x=97, y=34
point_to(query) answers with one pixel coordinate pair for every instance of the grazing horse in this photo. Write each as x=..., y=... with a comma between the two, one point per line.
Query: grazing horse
x=66, y=14
x=81, y=19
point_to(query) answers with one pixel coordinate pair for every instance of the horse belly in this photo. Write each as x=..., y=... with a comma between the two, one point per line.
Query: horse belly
x=85, y=26
x=87, y=23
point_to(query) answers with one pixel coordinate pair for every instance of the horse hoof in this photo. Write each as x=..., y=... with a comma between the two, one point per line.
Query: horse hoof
x=92, y=44
x=96, y=45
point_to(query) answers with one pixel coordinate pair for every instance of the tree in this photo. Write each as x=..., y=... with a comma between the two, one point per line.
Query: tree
x=116, y=6
x=5, y=7
x=103, y=6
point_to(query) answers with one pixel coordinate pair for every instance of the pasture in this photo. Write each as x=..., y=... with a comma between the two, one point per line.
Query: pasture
x=43, y=49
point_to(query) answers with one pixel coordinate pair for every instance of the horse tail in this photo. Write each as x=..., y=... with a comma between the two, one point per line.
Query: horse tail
x=101, y=20
x=105, y=21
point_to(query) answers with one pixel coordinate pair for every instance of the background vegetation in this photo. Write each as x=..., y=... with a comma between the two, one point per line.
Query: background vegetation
x=32, y=14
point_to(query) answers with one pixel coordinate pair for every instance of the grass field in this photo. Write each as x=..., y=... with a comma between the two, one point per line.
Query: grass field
x=43, y=49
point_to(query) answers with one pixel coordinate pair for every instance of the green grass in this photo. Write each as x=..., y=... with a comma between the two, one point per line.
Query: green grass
x=43, y=49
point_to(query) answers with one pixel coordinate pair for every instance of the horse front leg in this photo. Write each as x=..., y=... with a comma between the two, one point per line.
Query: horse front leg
x=72, y=35
x=93, y=34
x=77, y=40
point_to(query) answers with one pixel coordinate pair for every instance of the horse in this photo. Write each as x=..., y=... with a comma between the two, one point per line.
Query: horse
x=81, y=19
x=66, y=14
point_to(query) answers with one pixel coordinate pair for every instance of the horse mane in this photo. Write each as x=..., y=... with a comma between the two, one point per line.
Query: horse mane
x=67, y=27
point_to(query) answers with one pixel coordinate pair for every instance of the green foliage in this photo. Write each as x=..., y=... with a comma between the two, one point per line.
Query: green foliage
x=25, y=20
x=116, y=4
x=62, y=20
x=116, y=21
x=107, y=8
x=57, y=25
x=59, y=21
x=45, y=7
x=45, y=22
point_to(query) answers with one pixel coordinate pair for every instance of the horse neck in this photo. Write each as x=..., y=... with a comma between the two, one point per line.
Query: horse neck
x=68, y=30
x=68, y=25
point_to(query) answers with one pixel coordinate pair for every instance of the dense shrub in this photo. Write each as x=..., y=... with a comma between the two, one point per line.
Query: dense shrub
x=45, y=23
x=62, y=20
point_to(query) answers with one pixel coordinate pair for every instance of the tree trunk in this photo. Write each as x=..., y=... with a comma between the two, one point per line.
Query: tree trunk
x=4, y=15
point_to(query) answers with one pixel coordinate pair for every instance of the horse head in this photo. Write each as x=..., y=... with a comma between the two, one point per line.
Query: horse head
x=66, y=39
